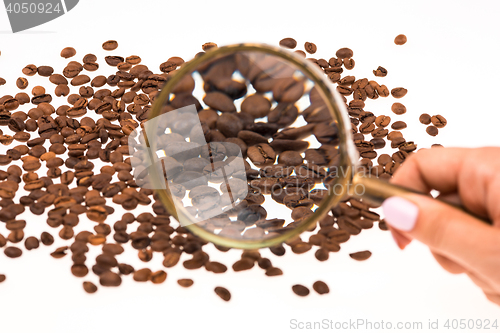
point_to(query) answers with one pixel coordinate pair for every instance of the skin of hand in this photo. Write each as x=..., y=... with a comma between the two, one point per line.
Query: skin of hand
x=460, y=242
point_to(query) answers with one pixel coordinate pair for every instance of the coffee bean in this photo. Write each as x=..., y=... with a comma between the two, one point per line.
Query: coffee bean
x=425, y=119
x=219, y=101
x=22, y=83
x=432, y=130
x=438, y=121
x=68, y=52
x=243, y=264
x=256, y=105
x=310, y=47
x=300, y=290
x=110, y=279
x=321, y=288
x=398, y=92
x=360, y=256
x=142, y=275
x=31, y=243
x=30, y=70
x=110, y=45
x=400, y=40
x=2, y=278
x=380, y=71
x=223, y=293
x=398, y=125
x=289, y=43
x=45, y=70
x=290, y=158
x=208, y=46
x=186, y=283
x=89, y=287
x=344, y=53
x=46, y=238
x=261, y=154
x=13, y=252
x=398, y=108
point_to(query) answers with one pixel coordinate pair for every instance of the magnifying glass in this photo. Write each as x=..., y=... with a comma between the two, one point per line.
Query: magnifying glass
x=249, y=145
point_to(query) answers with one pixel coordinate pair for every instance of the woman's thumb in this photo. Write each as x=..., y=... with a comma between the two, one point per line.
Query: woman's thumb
x=446, y=230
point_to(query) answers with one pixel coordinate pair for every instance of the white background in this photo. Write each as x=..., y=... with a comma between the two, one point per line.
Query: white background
x=450, y=65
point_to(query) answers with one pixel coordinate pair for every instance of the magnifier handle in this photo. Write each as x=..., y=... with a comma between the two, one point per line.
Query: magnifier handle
x=375, y=191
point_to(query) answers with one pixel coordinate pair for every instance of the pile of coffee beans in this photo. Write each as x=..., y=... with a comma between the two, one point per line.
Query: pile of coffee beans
x=66, y=159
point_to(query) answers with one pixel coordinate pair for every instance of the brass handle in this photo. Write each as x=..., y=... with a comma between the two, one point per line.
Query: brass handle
x=374, y=191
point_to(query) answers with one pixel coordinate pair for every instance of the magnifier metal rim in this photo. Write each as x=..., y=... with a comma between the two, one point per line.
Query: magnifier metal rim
x=348, y=153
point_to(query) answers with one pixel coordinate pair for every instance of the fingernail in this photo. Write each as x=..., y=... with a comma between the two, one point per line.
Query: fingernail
x=400, y=213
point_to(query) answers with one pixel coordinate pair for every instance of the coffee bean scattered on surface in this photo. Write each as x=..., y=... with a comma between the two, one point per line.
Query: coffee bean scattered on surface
x=300, y=290
x=68, y=52
x=438, y=121
x=432, y=130
x=321, y=288
x=110, y=45
x=186, y=283
x=398, y=108
x=398, y=92
x=89, y=287
x=360, y=256
x=208, y=46
x=380, y=72
x=289, y=43
x=223, y=293
x=83, y=143
x=310, y=47
x=400, y=40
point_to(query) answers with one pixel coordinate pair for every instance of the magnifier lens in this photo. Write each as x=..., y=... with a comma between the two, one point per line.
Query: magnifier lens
x=245, y=146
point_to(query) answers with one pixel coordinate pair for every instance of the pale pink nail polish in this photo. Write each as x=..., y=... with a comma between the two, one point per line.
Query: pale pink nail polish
x=400, y=213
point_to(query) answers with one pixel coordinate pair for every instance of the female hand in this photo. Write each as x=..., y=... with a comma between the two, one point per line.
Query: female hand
x=459, y=242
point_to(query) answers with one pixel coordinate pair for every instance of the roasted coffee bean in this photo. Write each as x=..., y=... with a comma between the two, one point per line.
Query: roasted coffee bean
x=432, y=130
x=438, y=121
x=13, y=252
x=30, y=70
x=425, y=119
x=186, y=283
x=89, y=287
x=110, y=45
x=300, y=290
x=68, y=52
x=310, y=47
x=256, y=105
x=400, y=40
x=321, y=288
x=110, y=279
x=398, y=92
x=289, y=43
x=398, y=125
x=380, y=71
x=398, y=108
x=215, y=267
x=344, y=53
x=274, y=271
x=31, y=243
x=45, y=71
x=360, y=256
x=22, y=83
x=261, y=154
x=46, y=238
x=223, y=293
